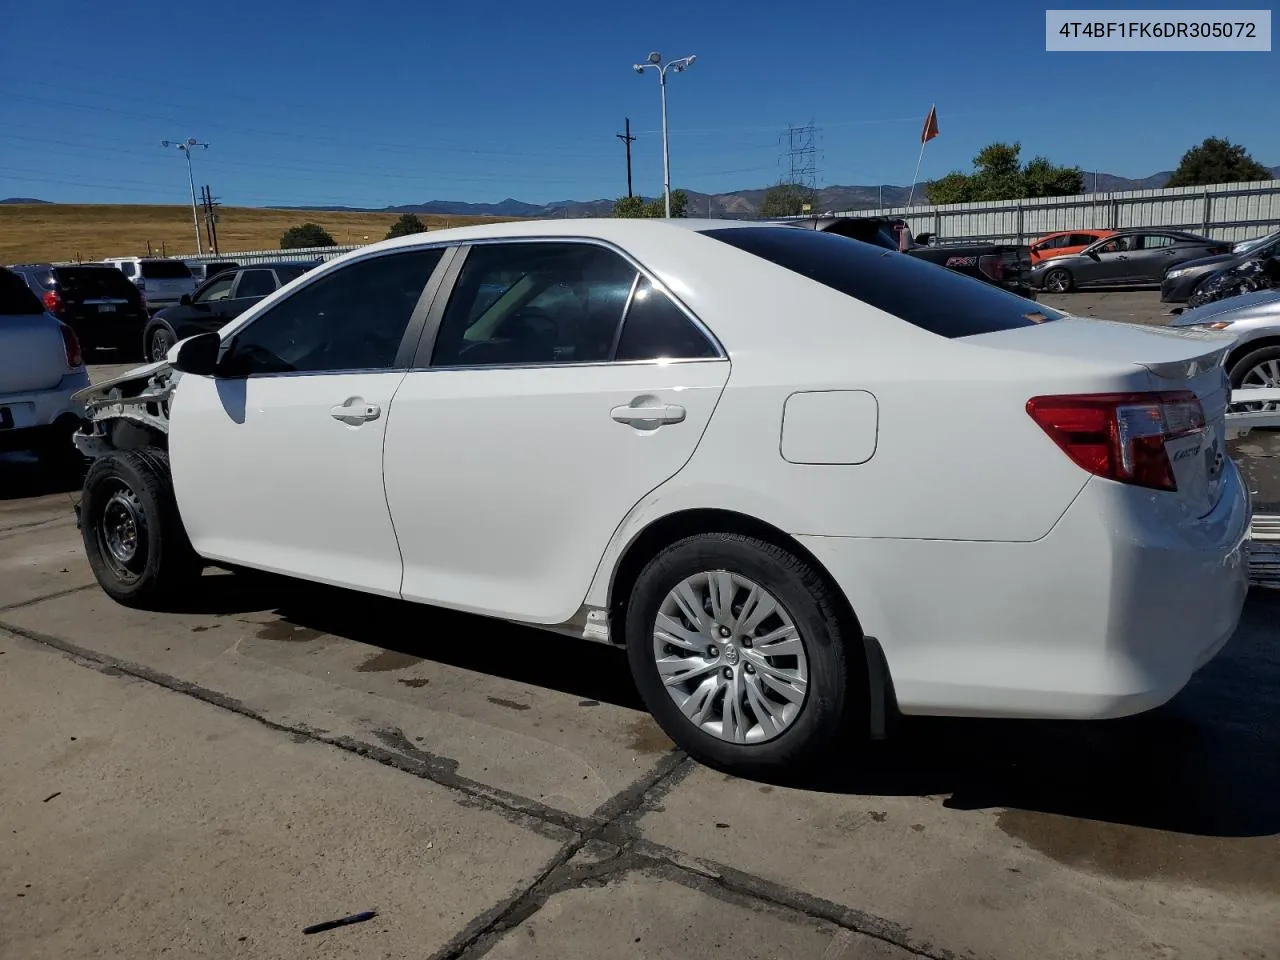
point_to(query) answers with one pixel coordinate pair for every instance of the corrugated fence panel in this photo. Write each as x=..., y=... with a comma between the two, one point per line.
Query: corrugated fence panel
x=1229, y=211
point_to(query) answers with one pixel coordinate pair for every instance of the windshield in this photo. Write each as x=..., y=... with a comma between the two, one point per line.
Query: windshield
x=94, y=281
x=165, y=270
x=921, y=293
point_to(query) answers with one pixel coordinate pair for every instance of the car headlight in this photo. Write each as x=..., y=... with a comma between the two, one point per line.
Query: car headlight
x=1174, y=274
x=1213, y=325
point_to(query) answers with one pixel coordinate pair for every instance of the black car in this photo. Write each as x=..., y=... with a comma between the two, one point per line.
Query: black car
x=97, y=301
x=1133, y=257
x=217, y=302
x=1182, y=282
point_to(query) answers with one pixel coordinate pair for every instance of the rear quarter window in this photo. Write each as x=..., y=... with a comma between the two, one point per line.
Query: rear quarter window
x=16, y=298
x=920, y=293
x=165, y=270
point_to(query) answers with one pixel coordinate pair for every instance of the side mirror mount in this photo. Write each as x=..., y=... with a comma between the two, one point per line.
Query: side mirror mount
x=196, y=355
x=1093, y=254
x=185, y=300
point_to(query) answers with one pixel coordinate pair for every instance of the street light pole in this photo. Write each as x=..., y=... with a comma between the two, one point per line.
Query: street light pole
x=185, y=146
x=680, y=66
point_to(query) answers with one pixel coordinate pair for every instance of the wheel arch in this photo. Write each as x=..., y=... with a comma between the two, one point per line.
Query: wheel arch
x=677, y=525
x=1242, y=350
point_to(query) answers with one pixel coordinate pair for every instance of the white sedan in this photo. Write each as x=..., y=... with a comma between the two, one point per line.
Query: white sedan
x=802, y=480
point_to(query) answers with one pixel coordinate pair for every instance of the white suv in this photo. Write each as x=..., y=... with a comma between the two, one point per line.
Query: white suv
x=163, y=282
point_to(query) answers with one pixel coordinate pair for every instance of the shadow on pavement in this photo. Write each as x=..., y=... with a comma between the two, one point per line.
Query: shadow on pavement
x=1204, y=764
x=23, y=476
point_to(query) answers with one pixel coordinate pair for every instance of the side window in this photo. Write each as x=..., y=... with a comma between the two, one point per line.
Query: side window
x=1056, y=243
x=1115, y=245
x=219, y=288
x=129, y=268
x=256, y=283
x=1081, y=240
x=1154, y=241
x=351, y=319
x=656, y=329
x=530, y=303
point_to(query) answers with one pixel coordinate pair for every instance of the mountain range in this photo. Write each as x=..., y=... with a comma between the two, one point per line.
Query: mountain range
x=738, y=203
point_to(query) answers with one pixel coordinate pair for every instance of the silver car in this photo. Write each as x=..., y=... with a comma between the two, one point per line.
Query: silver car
x=1254, y=320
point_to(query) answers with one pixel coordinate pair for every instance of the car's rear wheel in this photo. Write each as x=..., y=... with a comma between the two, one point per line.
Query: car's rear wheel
x=739, y=653
x=160, y=340
x=1257, y=368
x=1058, y=281
x=133, y=535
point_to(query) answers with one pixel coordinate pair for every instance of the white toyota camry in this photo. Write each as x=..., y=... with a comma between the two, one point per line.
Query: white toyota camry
x=801, y=479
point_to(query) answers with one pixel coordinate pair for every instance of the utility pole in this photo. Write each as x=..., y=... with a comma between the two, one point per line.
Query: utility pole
x=210, y=217
x=627, y=140
x=185, y=146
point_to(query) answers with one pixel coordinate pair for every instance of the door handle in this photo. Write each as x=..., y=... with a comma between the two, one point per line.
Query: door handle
x=648, y=413
x=355, y=410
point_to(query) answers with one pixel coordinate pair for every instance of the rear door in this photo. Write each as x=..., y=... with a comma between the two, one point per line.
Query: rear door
x=251, y=286
x=535, y=419
x=277, y=460
x=1155, y=253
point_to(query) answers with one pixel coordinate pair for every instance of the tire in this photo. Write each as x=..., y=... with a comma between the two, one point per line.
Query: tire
x=1058, y=281
x=801, y=732
x=1259, y=360
x=159, y=336
x=133, y=534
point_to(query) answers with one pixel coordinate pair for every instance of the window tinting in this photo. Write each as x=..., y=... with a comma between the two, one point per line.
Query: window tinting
x=15, y=296
x=1154, y=241
x=1081, y=240
x=82, y=282
x=289, y=274
x=129, y=268
x=921, y=293
x=256, y=283
x=165, y=270
x=351, y=319
x=219, y=288
x=657, y=329
x=528, y=303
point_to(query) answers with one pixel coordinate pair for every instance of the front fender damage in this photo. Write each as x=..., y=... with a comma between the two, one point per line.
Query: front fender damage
x=128, y=411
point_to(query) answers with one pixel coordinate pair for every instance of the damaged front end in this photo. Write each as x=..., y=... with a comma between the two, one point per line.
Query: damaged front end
x=127, y=412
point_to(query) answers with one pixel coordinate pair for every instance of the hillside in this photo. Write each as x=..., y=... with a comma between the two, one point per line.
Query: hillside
x=40, y=231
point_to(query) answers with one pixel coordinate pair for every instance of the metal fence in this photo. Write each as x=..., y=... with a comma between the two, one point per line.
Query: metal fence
x=1229, y=211
x=272, y=256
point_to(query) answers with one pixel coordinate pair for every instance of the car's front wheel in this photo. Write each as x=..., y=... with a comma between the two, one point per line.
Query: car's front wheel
x=160, y=340
x=739, y=653
x=1058, y=281
x=133, y=536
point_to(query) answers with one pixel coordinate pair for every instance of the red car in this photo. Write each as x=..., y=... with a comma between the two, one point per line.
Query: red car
x=1062, y=244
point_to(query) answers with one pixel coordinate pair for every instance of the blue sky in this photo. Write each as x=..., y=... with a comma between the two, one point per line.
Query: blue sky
x=382, y=102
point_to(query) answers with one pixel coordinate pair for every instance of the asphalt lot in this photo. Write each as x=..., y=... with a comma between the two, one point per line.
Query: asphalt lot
x=210, y=781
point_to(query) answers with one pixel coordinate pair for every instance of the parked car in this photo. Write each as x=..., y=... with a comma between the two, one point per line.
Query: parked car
x=1127, y=258
x=202, y=270
x=1244, y=246
x=700, y=441
x=1254, y=273
x=216, y=301
x=162, y=280
x=1253, y=321
x=1065, y=243
x=41, y=367
x=999, y=264
x=104, y=309
x=1183, y=281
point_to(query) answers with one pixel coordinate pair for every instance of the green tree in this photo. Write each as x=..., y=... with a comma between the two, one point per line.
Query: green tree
x=307, y=235
x=1217, y=160
x=999, y=175
x=629, y=207
x=786, y=200
x=407, y=224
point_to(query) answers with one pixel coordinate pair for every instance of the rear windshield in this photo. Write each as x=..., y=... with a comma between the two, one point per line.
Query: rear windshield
x=165, y=270
x=286, y=274
x=921, y=293
x=16, y=297
x=82, y=282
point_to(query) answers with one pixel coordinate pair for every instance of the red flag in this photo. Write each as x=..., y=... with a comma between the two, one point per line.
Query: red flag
x=930, y=126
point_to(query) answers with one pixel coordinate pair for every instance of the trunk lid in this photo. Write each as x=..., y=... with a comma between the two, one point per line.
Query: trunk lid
x=32, y=354
x=1175, y=359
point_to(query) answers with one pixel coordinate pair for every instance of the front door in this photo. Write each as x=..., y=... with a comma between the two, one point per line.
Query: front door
x=1112, y=263
x=277, y=459
x=541, y=419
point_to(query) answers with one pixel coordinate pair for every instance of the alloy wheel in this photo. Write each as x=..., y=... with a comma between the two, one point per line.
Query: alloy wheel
x=1058, y=281
x=731, y=657
x=161, y=343
x=1264, y=374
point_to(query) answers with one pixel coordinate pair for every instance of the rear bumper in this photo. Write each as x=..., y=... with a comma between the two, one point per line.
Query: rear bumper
x=1108, y=615
x=36, y=414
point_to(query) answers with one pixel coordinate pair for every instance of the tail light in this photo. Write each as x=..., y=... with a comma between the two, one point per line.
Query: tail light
x=1120, y=436
x=71, y=344
x=53, y=301
x=992, y=265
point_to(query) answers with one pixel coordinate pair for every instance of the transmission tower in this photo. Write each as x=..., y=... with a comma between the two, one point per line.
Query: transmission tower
x=802, y=155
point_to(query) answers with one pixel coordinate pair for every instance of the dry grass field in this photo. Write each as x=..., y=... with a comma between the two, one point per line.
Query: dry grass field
x=43, y=232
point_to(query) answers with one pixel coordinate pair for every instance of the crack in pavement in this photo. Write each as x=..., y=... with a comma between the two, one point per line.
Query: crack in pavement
x=66, y=591
x=613, y=826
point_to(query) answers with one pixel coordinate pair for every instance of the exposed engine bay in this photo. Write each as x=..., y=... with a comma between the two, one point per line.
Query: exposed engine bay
x=127, y=412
